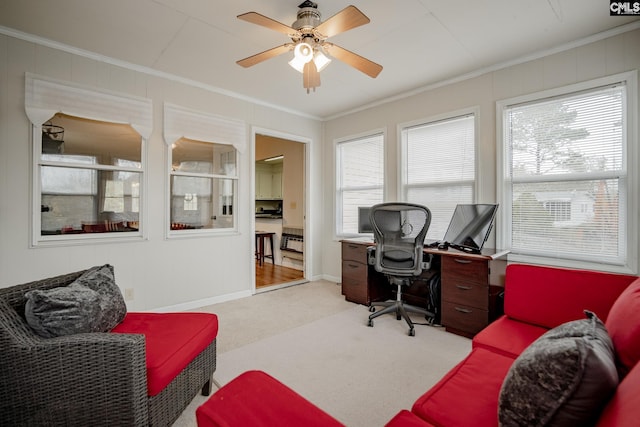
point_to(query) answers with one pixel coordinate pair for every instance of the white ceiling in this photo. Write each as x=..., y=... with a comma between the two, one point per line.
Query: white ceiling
x=418, y=42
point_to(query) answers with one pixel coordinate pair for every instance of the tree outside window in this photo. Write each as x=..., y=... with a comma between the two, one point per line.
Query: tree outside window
x=566, y=175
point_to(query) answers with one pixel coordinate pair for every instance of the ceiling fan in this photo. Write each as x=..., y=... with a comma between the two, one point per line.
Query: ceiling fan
x=309, y=42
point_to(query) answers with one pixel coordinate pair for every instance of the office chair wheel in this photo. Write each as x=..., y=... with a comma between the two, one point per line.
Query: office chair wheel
x=372, y=309
x=412, y=332
x=398, y=317
x=370, y=323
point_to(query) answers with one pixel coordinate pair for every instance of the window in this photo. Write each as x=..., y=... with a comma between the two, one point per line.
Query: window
x=565, y=186
x=90, y=174
x=88, y=162
x=438, y=167
x=203, y=152
x=203, y=185
x=359, y=181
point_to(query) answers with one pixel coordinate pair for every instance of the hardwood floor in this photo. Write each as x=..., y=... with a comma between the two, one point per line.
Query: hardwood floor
x=268, y=274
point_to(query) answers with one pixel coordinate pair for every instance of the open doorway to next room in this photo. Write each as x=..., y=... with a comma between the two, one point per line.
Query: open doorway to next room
x=279, y=212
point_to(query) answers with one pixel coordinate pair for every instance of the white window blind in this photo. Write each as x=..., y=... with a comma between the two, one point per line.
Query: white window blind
x=439, y=168
x=566, y=179
x=360, y=179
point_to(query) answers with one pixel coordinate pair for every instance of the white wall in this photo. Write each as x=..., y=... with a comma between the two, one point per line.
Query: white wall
x=589, y=61
x=163, y=273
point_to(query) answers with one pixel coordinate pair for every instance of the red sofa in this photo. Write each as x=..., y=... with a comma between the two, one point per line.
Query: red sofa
x=537, y=299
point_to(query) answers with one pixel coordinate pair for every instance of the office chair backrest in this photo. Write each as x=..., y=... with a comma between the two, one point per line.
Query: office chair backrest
x=399, y=230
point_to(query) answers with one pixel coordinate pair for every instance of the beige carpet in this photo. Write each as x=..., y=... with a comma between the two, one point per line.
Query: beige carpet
x=319, y=345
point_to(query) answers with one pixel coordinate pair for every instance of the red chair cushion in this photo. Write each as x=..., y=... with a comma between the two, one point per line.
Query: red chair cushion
x=623, y=325
x=172, y=341
x=549, y=297
x=256, y=399
x=468, y=394
x=623, y=410
x=405, y=418
x=507, y=336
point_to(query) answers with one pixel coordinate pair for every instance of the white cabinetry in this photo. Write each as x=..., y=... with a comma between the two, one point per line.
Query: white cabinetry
x=268, y=181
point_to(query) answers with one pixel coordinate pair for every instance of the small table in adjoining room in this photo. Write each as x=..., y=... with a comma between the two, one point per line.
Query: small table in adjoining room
x=261, y=236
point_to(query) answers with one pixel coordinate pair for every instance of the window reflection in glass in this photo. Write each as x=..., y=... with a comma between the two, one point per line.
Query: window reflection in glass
x=90, y=175
x=203, y=184
x=201, y=203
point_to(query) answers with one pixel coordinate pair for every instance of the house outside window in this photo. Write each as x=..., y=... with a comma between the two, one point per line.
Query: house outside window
x=359, y=179
x=565, y=188
x=438, y=166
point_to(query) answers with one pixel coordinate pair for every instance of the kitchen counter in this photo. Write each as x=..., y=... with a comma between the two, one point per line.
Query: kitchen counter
x=269, y=216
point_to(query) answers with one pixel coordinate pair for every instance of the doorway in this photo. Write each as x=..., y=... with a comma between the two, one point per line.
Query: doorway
x=280, y=205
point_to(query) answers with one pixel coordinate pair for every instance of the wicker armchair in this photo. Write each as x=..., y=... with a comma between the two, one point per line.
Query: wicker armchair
x=84, y=379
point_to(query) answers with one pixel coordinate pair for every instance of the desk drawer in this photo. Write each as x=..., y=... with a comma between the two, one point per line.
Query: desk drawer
x=466, y=293
x=469, y=320
x=353, y=271
x=465, y=270
x=354, y=252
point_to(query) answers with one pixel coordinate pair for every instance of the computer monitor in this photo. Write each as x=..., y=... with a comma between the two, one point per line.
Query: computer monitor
x=470, y=225
x=364, y=225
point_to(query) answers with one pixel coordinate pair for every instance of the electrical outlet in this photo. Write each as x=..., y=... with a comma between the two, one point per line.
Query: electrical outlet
x=128, y=294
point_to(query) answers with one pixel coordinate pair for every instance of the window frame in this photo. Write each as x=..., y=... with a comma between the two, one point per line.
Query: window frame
x=214, y=180
x=403, y=186
x=181, y=122
x=629, y=177
x=44, y=97
x=338, y=212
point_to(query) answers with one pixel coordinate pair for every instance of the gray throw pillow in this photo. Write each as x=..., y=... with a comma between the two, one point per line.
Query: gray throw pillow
x=112, y=306
x=92, y=303
x=564, y=378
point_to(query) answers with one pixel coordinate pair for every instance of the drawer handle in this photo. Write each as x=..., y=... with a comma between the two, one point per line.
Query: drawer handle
x=353, y=246
x=353, y=265
x=462, y=310
x=464, y=288
x=462, y=261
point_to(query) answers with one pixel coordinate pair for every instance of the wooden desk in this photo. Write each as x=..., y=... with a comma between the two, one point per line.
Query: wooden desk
x=467, y=302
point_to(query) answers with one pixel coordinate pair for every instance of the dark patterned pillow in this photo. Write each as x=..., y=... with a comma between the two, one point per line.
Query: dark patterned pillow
x=562, y=379
x=93, y=303
x=112, y=306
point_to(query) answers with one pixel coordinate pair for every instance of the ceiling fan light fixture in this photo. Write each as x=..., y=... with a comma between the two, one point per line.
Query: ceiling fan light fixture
x=297, y=65
x=321, y=60
x=302, y=53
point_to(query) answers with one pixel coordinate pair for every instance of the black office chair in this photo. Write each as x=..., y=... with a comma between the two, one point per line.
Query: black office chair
x=399, y=230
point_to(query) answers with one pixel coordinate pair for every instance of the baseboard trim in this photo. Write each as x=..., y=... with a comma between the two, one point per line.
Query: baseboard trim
x=203, y=302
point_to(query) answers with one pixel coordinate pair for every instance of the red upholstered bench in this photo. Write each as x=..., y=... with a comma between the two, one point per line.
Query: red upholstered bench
x=256, y=399
x=172, y=341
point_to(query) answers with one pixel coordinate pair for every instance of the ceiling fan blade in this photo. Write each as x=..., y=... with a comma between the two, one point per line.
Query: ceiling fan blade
x=263, y=56
x=358, y=62
x=348, y=18
x=310, y=76
x=272, y=24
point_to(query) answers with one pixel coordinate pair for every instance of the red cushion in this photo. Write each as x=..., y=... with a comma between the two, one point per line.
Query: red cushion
x=405, y=418
x=172, y=341
x=468, y=394
x=256, y=399
x=507, y=336
x=623, y=325
x=623, y=410
x=549, y=297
